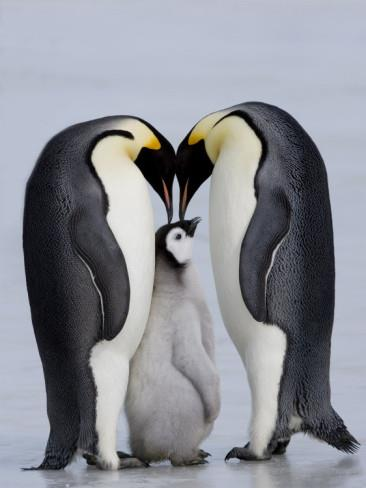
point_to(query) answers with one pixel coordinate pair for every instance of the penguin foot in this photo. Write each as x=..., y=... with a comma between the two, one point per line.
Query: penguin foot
x=125, y=461
x=188, y=462
x=281, y=447
x=246, y=454
x=123, y=455
x=132, y=462
x=203, y=454
x=109, y=464
x=90, y=459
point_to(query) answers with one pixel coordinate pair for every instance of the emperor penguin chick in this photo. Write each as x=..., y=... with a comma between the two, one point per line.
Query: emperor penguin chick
x=173, y=393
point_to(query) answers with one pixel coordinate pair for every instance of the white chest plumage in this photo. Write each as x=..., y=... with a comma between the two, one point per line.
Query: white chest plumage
x=130, y=218
x=232, y=204
x=261, y=347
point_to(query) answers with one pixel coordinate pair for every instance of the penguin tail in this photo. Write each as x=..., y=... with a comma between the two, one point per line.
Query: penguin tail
x=332, y=430
x=58, y=459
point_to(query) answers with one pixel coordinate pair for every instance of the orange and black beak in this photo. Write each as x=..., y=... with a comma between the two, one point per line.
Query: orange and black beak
x=168, y=197
x=193, y=167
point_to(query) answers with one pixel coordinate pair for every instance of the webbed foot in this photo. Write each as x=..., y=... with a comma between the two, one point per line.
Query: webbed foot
x=190, y=461
x=125, y=461
x=132, y=462
x=246, y=454
x=90, y=459
x=203, y=454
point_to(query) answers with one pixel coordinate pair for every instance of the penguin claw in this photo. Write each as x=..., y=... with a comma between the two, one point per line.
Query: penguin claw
x=126, y=460
x=123, y=455
x=189, y=462
x=246, y=454
x=232, y=454
x=91, y=459
x=195, y=462
x=203, y=454
x=132, y=462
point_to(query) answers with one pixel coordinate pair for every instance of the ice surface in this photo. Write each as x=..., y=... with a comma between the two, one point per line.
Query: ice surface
x=172, y=62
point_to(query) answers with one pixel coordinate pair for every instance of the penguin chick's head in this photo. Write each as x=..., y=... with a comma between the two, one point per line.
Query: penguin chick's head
x=174, y=241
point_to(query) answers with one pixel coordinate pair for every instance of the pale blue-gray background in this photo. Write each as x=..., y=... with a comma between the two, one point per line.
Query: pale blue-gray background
x=172, y=62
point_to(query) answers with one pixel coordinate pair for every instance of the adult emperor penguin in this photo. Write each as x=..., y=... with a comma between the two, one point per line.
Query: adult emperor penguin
x=271, y=243
x=89, y=260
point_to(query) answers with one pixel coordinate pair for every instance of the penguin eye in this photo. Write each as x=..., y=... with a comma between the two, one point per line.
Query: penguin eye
x=178, y=237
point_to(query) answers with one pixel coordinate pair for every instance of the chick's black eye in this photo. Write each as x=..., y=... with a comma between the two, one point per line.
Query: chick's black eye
x=178, y=236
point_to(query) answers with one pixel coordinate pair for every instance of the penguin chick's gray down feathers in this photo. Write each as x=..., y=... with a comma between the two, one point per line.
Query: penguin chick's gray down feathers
x=173, y=392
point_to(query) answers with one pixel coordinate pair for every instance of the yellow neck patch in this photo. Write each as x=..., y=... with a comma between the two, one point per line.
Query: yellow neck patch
x=203, y=127
x=153, y=143
x=233, y=133
x=143, y=137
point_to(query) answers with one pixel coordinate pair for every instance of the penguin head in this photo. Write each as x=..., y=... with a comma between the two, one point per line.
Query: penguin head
x=174, y=241
x=156, y=160
x=193, y=163
x=148, y=149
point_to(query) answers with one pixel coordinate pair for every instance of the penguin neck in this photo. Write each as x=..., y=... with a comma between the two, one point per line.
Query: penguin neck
x=169, y=279
x=110, y=155
x=130, y=218
x=236, y=152
x=233, y=136
x=232, y=205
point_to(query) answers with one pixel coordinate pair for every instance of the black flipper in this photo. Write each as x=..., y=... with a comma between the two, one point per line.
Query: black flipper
x=268, y=226
x=99, y=249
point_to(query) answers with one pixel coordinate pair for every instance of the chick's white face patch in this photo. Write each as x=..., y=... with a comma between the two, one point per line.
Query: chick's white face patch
x=179, y=244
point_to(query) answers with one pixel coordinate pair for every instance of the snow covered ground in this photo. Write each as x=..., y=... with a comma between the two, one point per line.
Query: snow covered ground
x=172, y=62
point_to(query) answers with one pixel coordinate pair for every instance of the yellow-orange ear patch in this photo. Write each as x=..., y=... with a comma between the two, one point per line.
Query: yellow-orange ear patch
x=153, y=143
x=195, y=136
x=203, y=127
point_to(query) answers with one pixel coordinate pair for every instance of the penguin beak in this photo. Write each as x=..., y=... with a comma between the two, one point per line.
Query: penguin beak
x=183, y=201
x=168, y=201
x=193, y=167
x=193, y=226
x=157, y=166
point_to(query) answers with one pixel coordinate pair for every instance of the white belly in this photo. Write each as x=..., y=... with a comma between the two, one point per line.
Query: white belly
x=130, y=217
x=261, y=347
x=131, y=220
x=232, y=204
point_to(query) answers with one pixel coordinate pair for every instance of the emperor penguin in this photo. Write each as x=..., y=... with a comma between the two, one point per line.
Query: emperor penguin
x=89, y=256
x=173, y=393
x=271, y=243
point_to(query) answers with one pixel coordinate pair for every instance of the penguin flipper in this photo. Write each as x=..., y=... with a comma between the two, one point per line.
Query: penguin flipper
x=268, y=226
x=100, y=252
